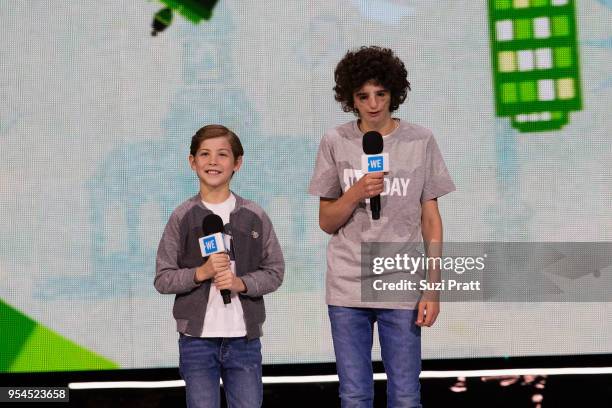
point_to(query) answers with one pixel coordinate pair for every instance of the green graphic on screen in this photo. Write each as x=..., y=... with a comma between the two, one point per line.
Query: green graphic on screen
x=535, y=62
x=26, y=346
x=193, y=10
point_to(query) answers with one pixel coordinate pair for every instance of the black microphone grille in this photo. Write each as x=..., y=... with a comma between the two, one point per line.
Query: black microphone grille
x=372, y=142
x=212, y=224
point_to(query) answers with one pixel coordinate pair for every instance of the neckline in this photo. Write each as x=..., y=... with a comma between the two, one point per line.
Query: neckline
x=230, y=198
x=397, y=121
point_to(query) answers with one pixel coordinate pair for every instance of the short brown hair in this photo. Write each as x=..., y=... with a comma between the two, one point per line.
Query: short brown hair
x=212, y=131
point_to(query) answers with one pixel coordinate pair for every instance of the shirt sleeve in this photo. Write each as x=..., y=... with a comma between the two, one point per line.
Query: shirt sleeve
x=325, y=181
x=437, y=179
x=269, y=276
x=169, y=277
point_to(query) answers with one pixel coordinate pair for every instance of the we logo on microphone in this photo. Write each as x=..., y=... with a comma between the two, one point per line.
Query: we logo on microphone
x=212, y=244
x=373, y=163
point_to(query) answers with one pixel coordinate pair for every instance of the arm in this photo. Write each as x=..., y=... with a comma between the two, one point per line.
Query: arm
x=169, y=278
x=269, y=276
x=334, y=213
x=431, y=226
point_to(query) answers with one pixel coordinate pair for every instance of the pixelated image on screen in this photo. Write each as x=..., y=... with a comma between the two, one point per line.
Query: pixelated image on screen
x=101, y=98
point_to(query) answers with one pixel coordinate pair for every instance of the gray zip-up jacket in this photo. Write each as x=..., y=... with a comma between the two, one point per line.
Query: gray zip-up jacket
x=258, y=259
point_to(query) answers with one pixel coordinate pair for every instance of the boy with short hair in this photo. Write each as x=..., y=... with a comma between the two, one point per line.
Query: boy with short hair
x=372, y=82
x=219, y=341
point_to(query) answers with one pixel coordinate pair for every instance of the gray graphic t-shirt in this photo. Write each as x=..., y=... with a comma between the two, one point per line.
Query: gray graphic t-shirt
x=417, y=173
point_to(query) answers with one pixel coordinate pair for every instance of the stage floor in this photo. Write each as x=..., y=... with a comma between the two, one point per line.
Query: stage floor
x=592, y=391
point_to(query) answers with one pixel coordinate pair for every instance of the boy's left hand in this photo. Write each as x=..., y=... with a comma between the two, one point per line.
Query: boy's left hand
x=227, y=280
x=428, y=312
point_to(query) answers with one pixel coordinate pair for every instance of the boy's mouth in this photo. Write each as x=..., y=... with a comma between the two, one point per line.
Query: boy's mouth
x=213, y=172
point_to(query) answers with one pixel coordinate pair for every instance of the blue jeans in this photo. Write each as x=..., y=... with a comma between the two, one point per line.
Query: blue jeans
x=203, y=361
x=400, y=343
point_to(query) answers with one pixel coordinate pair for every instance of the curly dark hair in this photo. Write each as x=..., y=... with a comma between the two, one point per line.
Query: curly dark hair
x=366, y=64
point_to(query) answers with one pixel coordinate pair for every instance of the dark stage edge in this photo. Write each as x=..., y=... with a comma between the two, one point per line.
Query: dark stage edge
x=592, y=391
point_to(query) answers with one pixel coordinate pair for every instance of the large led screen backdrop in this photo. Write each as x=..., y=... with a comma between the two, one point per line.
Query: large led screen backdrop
x=99, y=100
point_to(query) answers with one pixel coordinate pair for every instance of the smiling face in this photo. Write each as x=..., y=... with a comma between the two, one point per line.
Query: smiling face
x=214, y=163
x=373, y=101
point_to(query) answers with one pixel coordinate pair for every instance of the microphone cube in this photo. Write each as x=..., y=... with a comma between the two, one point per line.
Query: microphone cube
x=374, y=163
x=212, y=244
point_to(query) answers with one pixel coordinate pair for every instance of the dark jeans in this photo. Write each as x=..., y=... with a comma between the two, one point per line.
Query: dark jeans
x=400, y=343
x=237, y=361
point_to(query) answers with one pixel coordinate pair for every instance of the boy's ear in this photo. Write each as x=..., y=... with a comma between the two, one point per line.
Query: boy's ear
x=238, y=163
x=191, y=161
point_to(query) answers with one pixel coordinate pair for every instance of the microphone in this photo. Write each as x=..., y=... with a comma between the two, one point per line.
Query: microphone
x=213, y=243
x=227, y=230
x=374, y=160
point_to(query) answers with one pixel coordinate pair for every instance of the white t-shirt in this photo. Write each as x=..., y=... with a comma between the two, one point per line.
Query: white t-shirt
x=223, y=320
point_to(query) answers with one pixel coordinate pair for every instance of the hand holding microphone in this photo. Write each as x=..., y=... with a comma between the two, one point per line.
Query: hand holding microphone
x=212, y=246
x=227, y=281
x=374, y=163
x=370, y=185
x=215, y=264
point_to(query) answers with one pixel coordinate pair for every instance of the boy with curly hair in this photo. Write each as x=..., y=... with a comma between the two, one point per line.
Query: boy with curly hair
x=372, y=83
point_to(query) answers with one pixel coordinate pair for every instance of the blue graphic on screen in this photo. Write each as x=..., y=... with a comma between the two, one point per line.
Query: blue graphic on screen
x=385, y=11
x=196, y=104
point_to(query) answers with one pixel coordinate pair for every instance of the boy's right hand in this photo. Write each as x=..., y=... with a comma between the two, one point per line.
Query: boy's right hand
x=370, y=185
x=215, y=264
